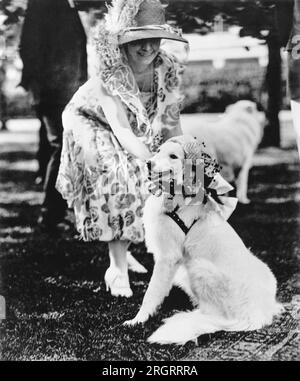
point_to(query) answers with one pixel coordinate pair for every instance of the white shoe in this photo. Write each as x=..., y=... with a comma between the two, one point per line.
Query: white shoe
x=117, y=283
x=134, y=265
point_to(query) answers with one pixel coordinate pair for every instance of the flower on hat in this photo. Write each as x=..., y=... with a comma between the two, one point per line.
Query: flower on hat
x=120, y=15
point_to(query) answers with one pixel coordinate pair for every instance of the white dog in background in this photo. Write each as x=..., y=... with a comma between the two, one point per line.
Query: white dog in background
x=231, y=288
x=233, y=139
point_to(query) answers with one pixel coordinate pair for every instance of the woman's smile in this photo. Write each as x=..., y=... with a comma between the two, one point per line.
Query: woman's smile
x=145, y=54
x=141, y=53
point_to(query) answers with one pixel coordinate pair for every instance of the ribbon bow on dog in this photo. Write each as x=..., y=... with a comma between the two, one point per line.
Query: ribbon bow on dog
x=226, y=205
x=201, y=183
x=214, y=186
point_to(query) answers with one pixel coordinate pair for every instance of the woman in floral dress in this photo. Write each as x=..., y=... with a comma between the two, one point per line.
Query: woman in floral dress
x=114, y=124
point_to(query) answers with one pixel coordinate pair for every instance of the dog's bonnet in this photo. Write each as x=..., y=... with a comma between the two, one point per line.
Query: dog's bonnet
x=191, y=146
x=193, y=150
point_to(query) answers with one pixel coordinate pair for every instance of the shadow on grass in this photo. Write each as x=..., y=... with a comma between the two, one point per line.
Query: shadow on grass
x=13, y=156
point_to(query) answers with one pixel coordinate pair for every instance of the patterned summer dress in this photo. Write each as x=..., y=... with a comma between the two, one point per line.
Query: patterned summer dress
x=106, y=186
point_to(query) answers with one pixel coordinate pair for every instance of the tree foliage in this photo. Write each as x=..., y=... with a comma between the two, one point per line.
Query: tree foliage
x=256, y=18
x=11, y=12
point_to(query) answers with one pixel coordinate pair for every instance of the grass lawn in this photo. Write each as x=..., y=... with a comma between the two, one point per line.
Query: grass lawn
x=57, y=305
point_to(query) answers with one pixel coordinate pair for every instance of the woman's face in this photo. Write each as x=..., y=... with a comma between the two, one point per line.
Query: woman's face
x=142, y=52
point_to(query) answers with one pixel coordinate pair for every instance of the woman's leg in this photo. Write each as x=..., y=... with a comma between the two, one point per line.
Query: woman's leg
x=118, y=255
x=116, y=276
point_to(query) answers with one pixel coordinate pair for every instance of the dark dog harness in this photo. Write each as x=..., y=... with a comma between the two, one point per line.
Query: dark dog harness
x=179, y=221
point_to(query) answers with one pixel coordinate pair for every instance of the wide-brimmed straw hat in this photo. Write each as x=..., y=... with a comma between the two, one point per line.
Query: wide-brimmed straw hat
x=150, y=22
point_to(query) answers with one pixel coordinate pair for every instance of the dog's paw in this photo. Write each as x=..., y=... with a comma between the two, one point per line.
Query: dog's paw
x=139, y=319
x=134, y=265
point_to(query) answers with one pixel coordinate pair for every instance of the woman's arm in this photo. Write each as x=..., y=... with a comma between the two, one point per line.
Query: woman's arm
x=119, y=124
x=171, y=121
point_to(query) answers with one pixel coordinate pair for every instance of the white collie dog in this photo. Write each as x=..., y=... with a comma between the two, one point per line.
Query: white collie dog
x=231, y=289
x=233, y=139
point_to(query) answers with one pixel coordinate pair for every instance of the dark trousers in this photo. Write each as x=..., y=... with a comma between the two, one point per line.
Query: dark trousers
x=3, y=110
x=54, y=206
x=43, y=152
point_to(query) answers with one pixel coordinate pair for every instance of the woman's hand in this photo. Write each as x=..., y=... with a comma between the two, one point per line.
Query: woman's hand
x=147, y=155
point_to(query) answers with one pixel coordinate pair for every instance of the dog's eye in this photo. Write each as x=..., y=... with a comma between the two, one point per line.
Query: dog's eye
x=172, y=156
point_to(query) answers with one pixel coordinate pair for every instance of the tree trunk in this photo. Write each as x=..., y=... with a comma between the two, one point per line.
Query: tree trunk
x=274, y=90
x=3, y=112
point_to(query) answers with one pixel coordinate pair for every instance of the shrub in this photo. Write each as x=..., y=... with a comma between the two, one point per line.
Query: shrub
x=18, y=106
x=210, y=90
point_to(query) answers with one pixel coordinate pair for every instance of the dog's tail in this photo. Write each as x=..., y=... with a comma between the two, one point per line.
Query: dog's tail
x=186, y=326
